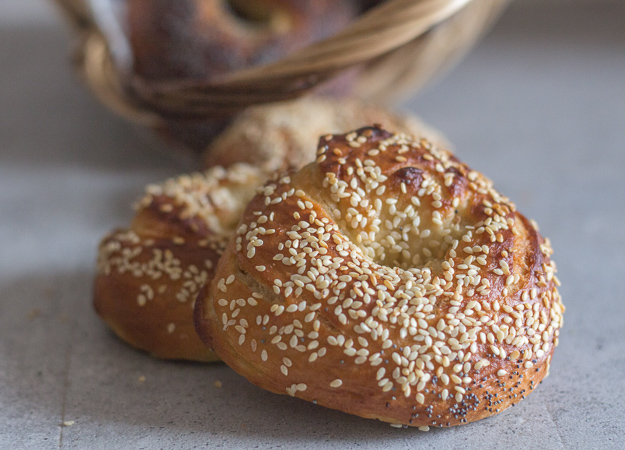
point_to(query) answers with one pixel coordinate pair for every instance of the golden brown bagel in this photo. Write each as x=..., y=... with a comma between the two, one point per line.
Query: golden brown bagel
x=187, y=222
x=387, y=280
x=149, y=275
x=184, y=224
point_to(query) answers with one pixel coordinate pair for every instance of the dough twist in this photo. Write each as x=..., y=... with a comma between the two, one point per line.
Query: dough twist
x=387, y=280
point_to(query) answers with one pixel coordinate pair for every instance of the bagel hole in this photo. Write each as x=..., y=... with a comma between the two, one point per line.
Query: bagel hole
x=407, y=246
x=421, y=253
x=259, y=14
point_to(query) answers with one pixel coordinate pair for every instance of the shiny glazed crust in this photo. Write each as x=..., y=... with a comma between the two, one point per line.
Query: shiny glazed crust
x=387, y=280
x=149, y=275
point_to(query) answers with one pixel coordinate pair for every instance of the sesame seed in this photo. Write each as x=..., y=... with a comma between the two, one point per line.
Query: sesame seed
x=414, y=288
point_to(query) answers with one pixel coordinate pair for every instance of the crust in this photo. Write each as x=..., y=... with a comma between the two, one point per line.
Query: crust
x=149, y=275
x=199, y=39
x=192, y=217
x=343, y=287
x=284, y=136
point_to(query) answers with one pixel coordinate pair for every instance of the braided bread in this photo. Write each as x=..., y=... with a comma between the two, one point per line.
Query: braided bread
x=387, y=280
x=149, y=275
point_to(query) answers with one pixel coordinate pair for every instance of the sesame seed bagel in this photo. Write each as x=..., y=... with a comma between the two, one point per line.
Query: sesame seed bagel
x=148, y=276
x=386, y=280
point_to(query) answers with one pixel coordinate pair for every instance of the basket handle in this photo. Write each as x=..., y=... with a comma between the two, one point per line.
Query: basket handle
x=385, y=28
x=378, y=34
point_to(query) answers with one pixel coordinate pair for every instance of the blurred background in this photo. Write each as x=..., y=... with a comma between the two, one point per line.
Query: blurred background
x=538, y=106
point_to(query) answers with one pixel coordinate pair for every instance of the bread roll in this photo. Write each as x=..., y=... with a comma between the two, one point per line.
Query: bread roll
x=149, y=275
x=284, y=136
x=188, y=40
x=387, y=280
x=205, y=39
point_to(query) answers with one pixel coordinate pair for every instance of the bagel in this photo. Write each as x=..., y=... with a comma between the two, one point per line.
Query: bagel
x=184, y=224
x=148, y=275
x=186, y=40
x=206, y=39
x=284, y=136
x=386, y=280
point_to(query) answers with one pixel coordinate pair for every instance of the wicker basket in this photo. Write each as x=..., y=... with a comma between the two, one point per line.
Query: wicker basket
x=395, y=47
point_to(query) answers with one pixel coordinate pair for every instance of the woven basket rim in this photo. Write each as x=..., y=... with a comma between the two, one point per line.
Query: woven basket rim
x=374, y=37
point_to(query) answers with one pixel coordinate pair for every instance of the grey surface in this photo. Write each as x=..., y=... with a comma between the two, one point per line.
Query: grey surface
x=539, y=107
